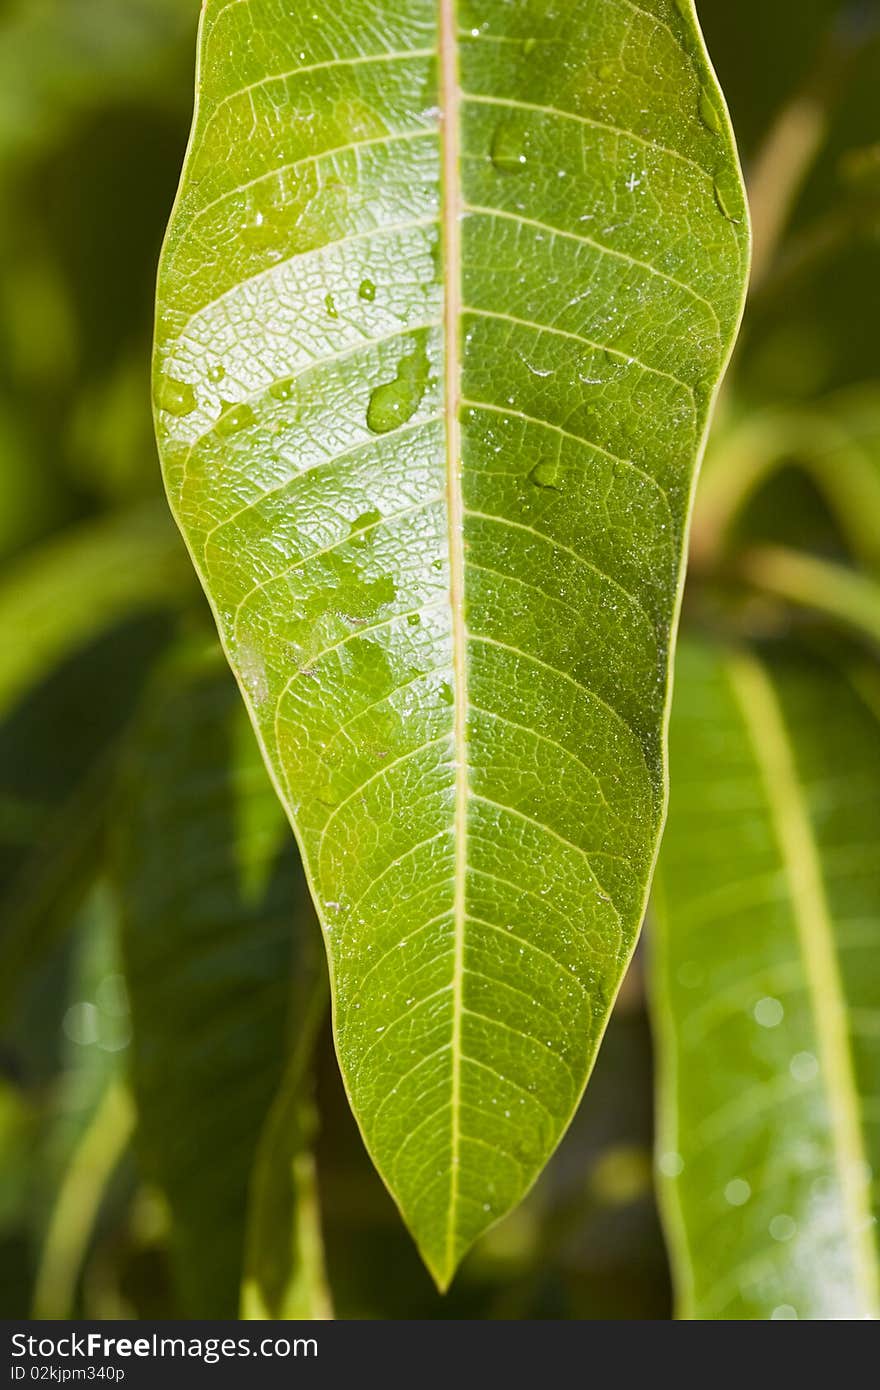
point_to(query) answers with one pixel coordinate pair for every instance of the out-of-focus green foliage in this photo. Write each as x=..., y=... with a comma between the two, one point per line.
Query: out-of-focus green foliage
x=768, y=911
x=221, y=957
x=95, y=101
x=768, y=899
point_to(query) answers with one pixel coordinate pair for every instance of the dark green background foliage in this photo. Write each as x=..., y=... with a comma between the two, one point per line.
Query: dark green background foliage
x=159, y=956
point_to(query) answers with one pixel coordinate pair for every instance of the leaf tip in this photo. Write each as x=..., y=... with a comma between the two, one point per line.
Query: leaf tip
x=442, y=1262
x=442, y=1272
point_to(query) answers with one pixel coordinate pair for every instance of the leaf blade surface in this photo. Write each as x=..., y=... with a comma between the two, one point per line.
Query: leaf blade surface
x=444, y=303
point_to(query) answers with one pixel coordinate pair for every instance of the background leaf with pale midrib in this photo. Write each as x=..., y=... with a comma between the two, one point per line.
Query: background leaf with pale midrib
x=765, y=984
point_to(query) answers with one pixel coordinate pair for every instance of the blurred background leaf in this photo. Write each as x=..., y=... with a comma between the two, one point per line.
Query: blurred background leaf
x=222, y=957
x=95, y=591
x=767, y=987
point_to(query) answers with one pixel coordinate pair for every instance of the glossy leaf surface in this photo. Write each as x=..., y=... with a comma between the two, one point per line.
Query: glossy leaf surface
x=767, y=989
x=444, y=301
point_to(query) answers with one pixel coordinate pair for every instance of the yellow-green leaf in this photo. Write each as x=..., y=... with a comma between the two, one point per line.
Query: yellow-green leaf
x=445, y=298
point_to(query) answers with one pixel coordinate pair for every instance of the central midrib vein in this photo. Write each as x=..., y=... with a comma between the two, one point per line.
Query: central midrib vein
x=451, y=203
x=766, y=728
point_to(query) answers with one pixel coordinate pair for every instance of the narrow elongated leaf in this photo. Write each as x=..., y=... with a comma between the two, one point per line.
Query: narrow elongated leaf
x=838, y=446
x=222, y=961
x=444, y=300
x=72, y=666
x=58, y=752
x=89, y=1120
x=284, y=1265
x=767, y=990
x=836, y=591
x=79, y=1198
x=65, y=594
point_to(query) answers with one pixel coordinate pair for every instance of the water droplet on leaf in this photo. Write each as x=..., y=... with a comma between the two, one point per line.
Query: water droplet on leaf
x=234, y=417
x=327, y=796
x=367, y=291
x=259, y=234
x=536, y=371
x=727, y=195
x=509, y=151
x=546, y=474
x=446, y=694
x=709, y=114
x=217, y=372
x=177, y=397
x=395, y=402
x=330, y=306
x=361, y=523
x=253, y=672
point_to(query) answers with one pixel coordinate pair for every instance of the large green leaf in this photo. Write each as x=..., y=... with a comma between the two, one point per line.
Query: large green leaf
x=767, y=989
x=444, y=301
x=222, y=961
